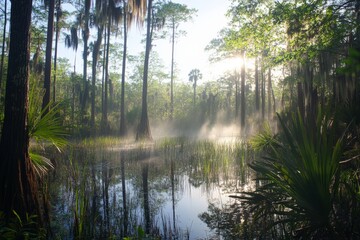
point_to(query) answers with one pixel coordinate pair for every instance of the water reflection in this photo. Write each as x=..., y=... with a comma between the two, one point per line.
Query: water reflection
x=173, y=189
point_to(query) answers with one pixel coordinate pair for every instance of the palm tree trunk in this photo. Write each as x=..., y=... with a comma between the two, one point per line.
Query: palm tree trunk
x=257, y=94
x=49, y=39
x=172, y=69
x=18, y=183
x=86, y=33
x=269, y=94
x=143, y=131
x=58, y=15
x=3, y=47
x=262, y=90
x=104, y=120
x=95, y=59
x=122, y=101
x=242, y=96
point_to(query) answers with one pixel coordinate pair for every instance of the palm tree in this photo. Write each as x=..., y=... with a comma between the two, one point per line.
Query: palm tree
x=59, y=15
x=3, y=45
x=18, y=184
x=194, y=76
x=132, y=11
x=49, y=39
x=143, y=131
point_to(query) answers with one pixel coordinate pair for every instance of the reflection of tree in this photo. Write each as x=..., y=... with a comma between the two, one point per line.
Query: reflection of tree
x=225, y=221
x=145, y=185
x=123, y=186
x=233, y=221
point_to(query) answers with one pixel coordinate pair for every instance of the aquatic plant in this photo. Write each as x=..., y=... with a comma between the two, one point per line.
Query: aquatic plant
x=300, y=174
x=21, y=228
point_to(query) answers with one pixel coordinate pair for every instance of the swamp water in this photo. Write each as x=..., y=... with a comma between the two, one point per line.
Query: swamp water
x=170, y=189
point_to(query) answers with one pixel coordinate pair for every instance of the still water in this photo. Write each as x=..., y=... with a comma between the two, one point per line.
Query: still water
x=171, y=189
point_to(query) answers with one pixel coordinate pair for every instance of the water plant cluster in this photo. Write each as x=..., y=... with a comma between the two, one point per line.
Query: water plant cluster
x=308, y=181
x=106, y=189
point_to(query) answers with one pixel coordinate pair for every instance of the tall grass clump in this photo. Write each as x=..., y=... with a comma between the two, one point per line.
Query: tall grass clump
x=301, y=180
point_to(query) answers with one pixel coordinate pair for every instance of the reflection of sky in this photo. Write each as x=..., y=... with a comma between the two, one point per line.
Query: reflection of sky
x=224, y=178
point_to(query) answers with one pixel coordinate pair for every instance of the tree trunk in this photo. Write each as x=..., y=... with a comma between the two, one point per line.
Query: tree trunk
x=58, y=16
x=104, y=120
x=172, y=70
x=143, y=131
x=237, y=102
x=262, y=91
x=257, y=94
x=18, y=184
x=3, y=48
x=85, y=33
x=242, y=96
x=95, y=59
x=122, y=101
x=49, y=39
x=269, y=94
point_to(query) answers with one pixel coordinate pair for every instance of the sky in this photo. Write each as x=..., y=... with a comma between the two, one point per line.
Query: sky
x=190, y=49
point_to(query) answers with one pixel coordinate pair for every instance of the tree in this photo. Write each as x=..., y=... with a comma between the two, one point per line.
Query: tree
x=49, y=40
x=174, y=14
x=194, y=76
x=59, y=16
x=132, y=11
x=3, y=46
x=85, y=36
x=95, y=58
x=143, y=131
x=18, y=183
x=242, y=94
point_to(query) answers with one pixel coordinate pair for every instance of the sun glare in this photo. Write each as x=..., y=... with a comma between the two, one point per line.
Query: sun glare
x=232, y=65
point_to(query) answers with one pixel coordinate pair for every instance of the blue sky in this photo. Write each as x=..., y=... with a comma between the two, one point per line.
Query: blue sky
x=189, y=50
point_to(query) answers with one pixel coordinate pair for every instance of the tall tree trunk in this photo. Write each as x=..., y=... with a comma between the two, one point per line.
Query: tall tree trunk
x=262, y=90
x=18, y=183
x=49, y=39
x=58, y=16
x=95, y=58
x=237, y=102
x=300, y=97
x=143, y=131
x=194, y=86
x=3, y=48
x=269, y=94
x=103, y=72
x=242, y=96
x=172, y=69
x=104, y=120
x=123, y=74
x=257, y=94
x=86, y=33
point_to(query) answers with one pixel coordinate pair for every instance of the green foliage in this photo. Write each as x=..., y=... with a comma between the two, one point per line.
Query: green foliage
x=301, y=171
x=141, y=235
x=44, y=127
x=19, y=228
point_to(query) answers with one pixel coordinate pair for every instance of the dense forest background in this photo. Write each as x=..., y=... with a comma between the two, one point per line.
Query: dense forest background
x=293, y=57
x=303, y=54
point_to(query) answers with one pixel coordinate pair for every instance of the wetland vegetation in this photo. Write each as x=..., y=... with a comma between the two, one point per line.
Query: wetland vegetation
x=263, y=144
